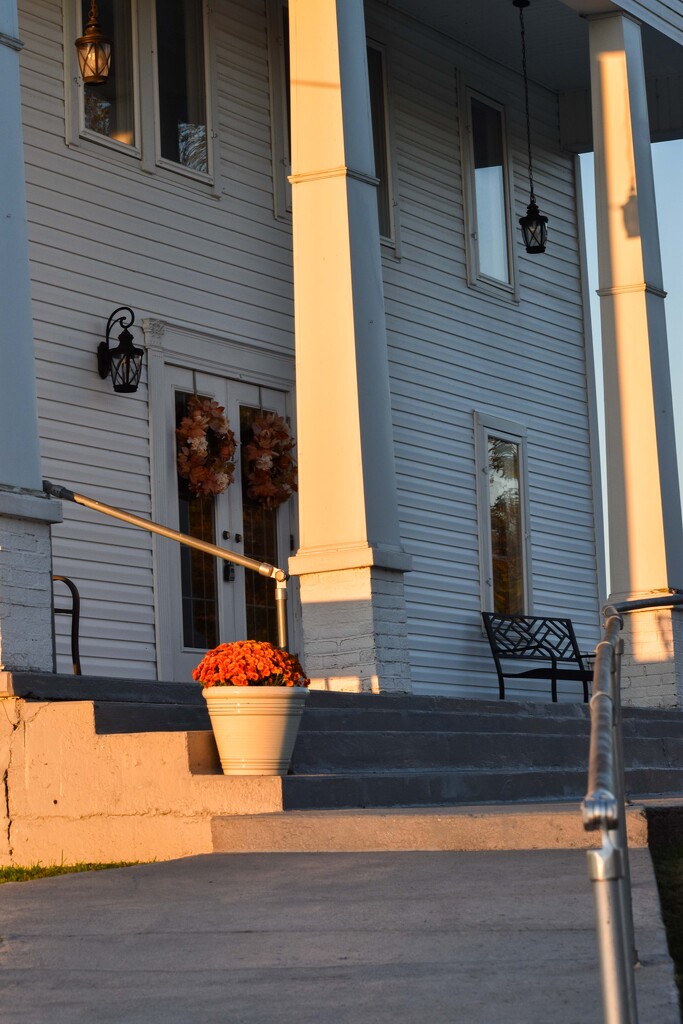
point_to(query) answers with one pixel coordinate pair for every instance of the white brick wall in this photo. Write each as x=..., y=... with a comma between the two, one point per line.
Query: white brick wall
x=354, y=625
x=26, y=582
x=652, y=665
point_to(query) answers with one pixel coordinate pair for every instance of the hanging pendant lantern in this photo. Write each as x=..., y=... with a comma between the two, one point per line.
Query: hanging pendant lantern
x=94, y=50
x=534, y=226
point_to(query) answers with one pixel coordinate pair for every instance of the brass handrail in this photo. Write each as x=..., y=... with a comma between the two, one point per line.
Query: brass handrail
x=604, y=808
x=263, y=568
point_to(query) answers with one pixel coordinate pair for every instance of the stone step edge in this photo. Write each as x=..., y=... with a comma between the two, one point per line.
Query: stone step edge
x=427, y=829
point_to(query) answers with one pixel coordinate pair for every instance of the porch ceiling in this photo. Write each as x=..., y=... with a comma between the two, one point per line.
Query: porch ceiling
x=557, y=37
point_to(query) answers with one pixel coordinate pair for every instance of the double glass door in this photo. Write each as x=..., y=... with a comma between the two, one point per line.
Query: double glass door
x=213, y=601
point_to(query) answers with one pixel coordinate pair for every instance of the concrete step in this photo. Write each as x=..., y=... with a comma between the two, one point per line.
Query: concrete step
x=497, y=827
x=359, y=751
x=467, y=786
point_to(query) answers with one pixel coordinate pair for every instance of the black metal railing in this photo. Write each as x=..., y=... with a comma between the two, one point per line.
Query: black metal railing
x=75, y=612
x=263, y=568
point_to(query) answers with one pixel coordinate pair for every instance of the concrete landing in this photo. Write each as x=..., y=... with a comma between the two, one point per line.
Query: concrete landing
x=494, y=827
x=449, y=938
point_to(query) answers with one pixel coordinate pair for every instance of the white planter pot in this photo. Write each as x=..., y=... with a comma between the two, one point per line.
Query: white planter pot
x=255, y=726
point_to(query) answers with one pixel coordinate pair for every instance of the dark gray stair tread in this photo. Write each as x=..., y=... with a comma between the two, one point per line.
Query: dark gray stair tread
x=415, y=788
x=420, y=788
x=47, y=686
x=360, y=751
x=113, y=717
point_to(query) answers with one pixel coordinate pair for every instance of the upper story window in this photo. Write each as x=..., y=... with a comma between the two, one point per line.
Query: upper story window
x=378, y=110
x=487, y=188
x=278, y=38
x=155, y=103
x=181, y=83
x=109, y=109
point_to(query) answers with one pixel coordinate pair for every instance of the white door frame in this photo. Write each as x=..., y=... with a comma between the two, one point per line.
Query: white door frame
x=246, y=361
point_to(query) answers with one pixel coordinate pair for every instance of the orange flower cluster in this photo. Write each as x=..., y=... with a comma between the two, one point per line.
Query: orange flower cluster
x=271, y=469
x=249, y=663
x=206, y=447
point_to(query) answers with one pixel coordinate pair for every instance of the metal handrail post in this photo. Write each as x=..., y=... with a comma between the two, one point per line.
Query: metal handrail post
x=281, y=609
x=605, y=869
x=622, y=830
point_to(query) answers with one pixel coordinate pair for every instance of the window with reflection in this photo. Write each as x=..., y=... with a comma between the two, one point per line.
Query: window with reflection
x=505, y=520
x=486, y=187
x=503, y=515
x=490, y=200
x=109, y=109
x=182, y=83
x=260, y=534
x=199, y=585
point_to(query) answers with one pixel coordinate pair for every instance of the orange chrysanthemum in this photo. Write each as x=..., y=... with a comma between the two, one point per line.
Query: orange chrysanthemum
x=249, y=663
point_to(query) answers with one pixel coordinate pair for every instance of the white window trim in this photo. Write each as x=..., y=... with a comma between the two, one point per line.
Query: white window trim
x=146, y=151
x=76, y=132
x=486, y=424
x=508, y=290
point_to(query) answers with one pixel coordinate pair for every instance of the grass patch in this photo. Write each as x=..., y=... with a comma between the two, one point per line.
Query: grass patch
x=38, y=871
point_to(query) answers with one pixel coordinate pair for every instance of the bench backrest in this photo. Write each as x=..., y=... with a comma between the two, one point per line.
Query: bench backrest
x=526, y=636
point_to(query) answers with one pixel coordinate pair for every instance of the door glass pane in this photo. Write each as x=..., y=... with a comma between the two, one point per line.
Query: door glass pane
x=506, y=526
x=489, y=191
x=182, y=99
x=109, y=108
x=260, y=541
x=196, y=517
x=379, y=138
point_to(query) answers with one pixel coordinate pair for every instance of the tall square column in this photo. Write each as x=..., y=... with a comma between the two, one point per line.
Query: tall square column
x=350, y=559
x=644, y=498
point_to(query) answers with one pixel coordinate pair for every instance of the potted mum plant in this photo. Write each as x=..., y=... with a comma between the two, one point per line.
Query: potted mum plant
x=255, y=694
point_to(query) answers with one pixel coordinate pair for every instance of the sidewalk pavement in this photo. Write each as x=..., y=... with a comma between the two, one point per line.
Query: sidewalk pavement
x=360, y=938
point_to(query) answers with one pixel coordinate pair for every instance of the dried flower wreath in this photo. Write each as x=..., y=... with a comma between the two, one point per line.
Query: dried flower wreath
x=206, y=447
x=270, y=466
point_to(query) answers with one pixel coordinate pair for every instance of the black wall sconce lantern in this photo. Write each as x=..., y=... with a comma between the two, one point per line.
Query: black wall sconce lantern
x=124, y=362
x=94, y=50
x=534, y=226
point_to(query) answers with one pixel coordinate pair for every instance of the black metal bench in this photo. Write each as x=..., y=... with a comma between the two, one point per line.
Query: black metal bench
x=528, y=638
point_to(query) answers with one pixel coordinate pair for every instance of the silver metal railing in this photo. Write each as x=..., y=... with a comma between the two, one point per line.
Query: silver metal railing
x=603, y=808
x=263, y=568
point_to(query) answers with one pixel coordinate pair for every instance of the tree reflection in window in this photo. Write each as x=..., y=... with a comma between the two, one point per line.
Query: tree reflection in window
x=505, y=512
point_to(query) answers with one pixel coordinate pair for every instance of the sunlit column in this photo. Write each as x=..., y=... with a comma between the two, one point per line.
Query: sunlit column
x=644, y=501
x=25, y=513
x=348, y=513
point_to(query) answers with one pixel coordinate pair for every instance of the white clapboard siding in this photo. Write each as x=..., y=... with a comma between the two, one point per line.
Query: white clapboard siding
x=174, y=251
x=102, y=233
x=453, y=351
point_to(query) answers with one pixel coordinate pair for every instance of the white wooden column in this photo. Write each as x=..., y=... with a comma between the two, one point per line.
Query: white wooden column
x=25, y=513
x=644, y=499
x=350, y=558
